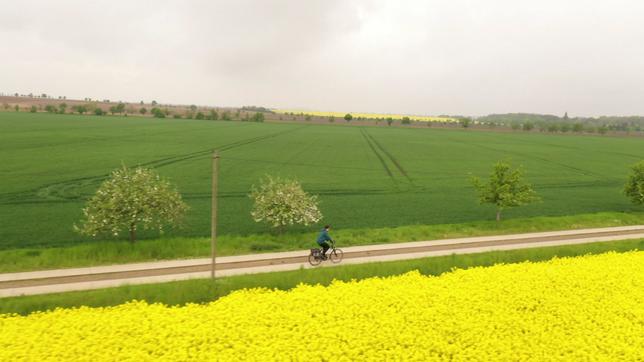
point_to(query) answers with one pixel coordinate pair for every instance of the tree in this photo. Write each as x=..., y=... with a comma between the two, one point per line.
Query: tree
x=565, y=117
x=465, y=122
x=331, y=119
x=390, y=121
x=282, y=202
x=143, y=110
x=528, y=126
x=157, y=112
x=199, y=115
x=51, y=108
x=99, y=111
x=506, y=188
x=79, y=109
x=564, y=127
x=119, y=108
x=634, y=187
x=553, y=127
x=33, y=109
x=154, y=103
x=214, y=115
x=193, y=108
x=17, y=108
x=602, y=130
x=258, y=117
x=578, y=127
x=62, y=107
x=406, y=120
x=5, y=106
x=225, y=116
x=132, y=199
x=348, y=117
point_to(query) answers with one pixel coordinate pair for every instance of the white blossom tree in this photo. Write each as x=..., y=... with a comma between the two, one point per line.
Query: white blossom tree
x=131, y=199
x=282, y=202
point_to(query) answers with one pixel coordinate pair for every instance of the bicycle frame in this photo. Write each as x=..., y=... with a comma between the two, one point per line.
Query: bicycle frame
x=331, y=250
x=334, y=254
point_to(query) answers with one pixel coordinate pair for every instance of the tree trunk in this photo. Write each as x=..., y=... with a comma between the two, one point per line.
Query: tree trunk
x=132, y=233
x=498, y=215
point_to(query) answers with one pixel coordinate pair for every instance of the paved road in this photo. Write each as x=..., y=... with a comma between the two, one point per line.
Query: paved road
x=61, y=280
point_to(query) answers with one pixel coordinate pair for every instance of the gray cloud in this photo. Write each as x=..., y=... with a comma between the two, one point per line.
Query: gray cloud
x=422, y=57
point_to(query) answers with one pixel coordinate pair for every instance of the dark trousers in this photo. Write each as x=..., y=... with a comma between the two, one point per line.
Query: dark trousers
x=325, y=247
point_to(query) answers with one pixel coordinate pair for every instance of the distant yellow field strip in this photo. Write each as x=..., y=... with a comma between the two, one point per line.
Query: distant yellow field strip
x=366, y=115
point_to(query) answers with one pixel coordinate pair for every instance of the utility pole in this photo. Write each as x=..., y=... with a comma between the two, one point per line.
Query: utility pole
x=213, y=221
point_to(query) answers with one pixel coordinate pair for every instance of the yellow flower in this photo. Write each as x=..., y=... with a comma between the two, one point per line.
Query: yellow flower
x=571, y=309
x=381, y=116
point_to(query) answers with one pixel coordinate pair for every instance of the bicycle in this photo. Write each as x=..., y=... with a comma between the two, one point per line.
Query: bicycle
x=335, y=255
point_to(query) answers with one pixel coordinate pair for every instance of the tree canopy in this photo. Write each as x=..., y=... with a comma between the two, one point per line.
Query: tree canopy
x=634, y=188
x=282, y=202
x=131, y=199
x=505, y=188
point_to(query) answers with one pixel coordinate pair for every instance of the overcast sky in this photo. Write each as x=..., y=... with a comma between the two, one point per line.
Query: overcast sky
x=414, y=57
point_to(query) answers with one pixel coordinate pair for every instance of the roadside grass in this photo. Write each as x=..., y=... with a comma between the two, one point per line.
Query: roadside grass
x=118, y=252
x=205, y=290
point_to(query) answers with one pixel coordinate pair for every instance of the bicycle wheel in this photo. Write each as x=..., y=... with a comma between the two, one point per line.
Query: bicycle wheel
x=314, y=261
x=336, y=255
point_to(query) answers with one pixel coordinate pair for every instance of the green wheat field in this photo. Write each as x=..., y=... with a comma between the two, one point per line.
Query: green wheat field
x=366, y=177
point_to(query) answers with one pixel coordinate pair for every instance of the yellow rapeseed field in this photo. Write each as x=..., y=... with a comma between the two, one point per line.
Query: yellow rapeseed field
x=578, y=309
x=339, y=115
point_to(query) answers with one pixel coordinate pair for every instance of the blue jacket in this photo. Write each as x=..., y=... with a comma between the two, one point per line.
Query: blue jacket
x=323, y=237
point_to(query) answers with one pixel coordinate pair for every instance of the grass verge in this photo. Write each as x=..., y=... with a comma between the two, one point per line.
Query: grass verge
x=120, y=252
x=204, y=290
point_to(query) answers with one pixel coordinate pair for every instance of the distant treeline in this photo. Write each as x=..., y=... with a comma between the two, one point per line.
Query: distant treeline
x=256, y=109
x=552, y=123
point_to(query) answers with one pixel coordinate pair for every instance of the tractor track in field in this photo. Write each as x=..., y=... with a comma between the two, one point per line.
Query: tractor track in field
x=329, y=192
x=375, y=152
x=303, y=164
x=567, y=147
x=390, y=156
x=45, y=192
x=92, y=140
x=50, y=281
x=527, y=155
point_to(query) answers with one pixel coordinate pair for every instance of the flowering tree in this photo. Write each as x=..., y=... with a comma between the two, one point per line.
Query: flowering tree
x=634, y=187
x=281, y=202
x=132, y=199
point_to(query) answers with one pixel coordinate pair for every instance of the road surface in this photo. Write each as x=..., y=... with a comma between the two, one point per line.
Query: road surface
x=63, y=280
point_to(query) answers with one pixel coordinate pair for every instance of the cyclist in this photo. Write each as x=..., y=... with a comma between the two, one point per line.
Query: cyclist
x=322, y=240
